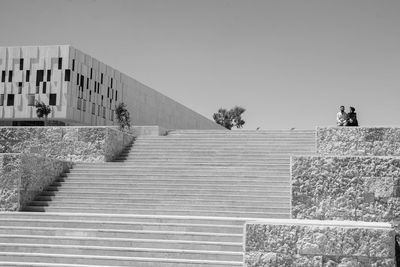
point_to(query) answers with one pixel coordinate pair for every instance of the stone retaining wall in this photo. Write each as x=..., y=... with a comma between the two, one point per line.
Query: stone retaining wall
x=316, y=243
x=346, y=188
x=23, y=176
x=79, y=144
x=367, y=141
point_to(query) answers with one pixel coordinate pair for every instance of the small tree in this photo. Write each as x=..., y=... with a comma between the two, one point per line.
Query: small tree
x=42, y=111
x=231, y=118
x=123, y=116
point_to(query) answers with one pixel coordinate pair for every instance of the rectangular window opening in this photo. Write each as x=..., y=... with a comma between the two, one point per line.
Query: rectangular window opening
x=101, y=79
x=67, y=76
x=19, y=87
x=73, y=65
x=53, y=99
x=10, y=100
x=94, y=109
x=21, y=64
x=91, y=73
x=111, y=82
x=10, y=74
x=44, y=87
x=87, y=83
x=1, y=99
x=3, y=76
x=31, y=99
x=48, y=75
x=28, y=75
x=60, y=63
x=77, y=79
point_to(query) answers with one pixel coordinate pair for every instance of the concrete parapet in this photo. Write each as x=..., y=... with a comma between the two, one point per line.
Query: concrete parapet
x=276, y=242
x=77, y=143
x=366, y=141
x=23, y=176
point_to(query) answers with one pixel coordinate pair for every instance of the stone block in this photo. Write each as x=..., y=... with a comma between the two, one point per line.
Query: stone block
x=318, y=243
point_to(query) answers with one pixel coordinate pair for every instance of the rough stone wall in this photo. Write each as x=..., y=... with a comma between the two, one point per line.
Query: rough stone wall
x=79, y=144
x=309, y=244
x=23, y=176
x=346, y=188
x=367, y=141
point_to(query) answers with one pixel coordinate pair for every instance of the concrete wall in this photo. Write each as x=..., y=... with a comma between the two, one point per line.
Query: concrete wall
x=367, y=141
x=146, y=106
x=318, y=243
x=78, y=144
x=34, y=58
x=91, y=94
x=23, y=176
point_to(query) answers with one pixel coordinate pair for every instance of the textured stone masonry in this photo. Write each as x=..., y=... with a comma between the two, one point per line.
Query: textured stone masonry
x=78, y=144
x=315, y=243
x=365, y=141
x=23, y=176
x=346, y=188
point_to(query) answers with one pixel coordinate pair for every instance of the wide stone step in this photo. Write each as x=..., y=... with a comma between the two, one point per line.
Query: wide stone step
x=272, y=202
x=88, y=224
x=193, y=176
x=123, y=251
x=115, y=233
x=180, y=172
x=226, y=213
x=156, y=207
x=120, y=217
x=166, y=186
x=169, y=164
x=81, y=181
x=172, y=195
x=202, y=160
x=97, y=260
x=123, y=242
x=172, y=167
x=162, y=190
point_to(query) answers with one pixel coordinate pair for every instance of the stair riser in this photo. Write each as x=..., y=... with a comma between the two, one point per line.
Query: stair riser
x=171, y=191
x=117, y=218
x=131, y=226
x=166, y=202
x=181, y=196
x=283, y=215
x=61, y=204
x=198, y=182
x=107, y=262
x=130, y=235
x=123, y=243
x=121, y=253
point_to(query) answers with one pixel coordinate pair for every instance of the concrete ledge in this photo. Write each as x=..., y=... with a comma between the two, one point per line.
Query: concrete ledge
x=79, y=144
x=23, y=176
x=318, y=243
x=378, y=141
x=362, y=188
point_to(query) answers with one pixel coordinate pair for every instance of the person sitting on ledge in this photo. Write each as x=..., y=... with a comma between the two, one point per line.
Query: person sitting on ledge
x=341, y=117
x=352, y=117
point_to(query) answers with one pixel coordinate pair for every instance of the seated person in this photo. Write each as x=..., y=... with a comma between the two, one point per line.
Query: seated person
x=341, y=117
x=352, y=117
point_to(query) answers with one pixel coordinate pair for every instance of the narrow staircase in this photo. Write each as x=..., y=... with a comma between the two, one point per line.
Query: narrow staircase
x=175, y=200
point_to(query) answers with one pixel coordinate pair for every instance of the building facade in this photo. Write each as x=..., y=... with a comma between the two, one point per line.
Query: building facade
x=81, y=91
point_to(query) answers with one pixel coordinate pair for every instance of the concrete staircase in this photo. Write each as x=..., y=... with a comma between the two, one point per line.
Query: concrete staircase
x=175, y=200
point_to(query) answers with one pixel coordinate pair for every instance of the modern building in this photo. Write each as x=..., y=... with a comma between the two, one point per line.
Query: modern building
x=81, y=91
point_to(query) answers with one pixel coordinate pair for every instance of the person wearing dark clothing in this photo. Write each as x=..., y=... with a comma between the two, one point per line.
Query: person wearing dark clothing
x=352, y=117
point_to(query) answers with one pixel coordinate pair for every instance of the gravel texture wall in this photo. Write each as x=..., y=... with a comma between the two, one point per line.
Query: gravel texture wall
x=346, y=188
x=78, y=144
x=312, y=243
x=366, y=141
x=23, y=176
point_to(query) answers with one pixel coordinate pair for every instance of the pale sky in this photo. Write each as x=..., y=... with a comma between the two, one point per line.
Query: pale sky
x=289, y=63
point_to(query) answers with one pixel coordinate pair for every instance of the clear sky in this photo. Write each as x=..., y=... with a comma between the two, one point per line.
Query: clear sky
x=289, y=63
